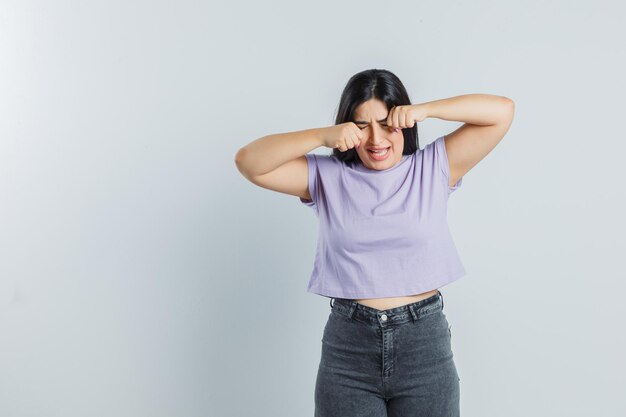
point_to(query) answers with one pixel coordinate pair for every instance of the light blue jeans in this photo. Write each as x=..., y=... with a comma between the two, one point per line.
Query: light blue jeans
x=395, y=363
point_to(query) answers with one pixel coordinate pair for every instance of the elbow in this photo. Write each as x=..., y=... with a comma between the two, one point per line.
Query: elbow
x=241, y=153
x=509, y=103
x=239, y=161
x=239, y=156
x=507, y=110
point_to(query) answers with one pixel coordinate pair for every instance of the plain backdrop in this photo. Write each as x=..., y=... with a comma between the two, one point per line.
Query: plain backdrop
x=142, y=275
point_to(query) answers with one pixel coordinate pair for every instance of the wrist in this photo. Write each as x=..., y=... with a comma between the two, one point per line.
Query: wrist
x=318, y=135
x=426, y=109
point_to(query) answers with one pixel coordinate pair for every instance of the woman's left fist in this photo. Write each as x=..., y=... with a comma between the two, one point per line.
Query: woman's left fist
x=406, y=116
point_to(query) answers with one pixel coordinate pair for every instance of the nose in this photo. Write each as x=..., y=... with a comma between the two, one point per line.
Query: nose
x=378, y=133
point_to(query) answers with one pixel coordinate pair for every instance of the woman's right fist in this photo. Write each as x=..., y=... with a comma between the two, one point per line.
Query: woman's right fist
x=343, y=136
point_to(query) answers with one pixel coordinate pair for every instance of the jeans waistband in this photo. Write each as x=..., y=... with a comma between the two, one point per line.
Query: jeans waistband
x=396, y=315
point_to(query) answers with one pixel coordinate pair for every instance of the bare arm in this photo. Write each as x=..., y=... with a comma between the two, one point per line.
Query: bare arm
x=265, y=154
x=487, y=119
x=277, y=162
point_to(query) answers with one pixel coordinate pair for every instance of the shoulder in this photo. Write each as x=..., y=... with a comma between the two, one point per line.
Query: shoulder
x=324, y=162
x=324, y=158
x=432, y=157
x=432, y=152
x=433, y=147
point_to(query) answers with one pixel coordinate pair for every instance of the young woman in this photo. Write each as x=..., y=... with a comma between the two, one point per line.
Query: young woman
x=384, y=247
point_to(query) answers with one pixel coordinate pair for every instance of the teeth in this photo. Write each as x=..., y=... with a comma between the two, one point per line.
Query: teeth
x=381, y=152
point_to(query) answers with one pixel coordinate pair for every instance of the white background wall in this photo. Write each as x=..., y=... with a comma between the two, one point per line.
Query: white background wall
x=142, y=275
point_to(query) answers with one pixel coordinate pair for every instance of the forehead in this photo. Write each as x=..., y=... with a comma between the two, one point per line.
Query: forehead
x=373, y=108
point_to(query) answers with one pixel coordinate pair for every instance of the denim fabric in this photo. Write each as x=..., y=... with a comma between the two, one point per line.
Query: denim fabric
x=396, y=362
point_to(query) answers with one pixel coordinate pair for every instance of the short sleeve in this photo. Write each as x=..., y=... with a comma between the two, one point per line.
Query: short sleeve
x=441, y=158
x=311, y=160
x=323, y=174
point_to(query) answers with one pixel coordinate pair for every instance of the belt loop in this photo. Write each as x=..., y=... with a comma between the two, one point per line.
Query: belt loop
x=441, y=296
x=352, y=308
x=413, y=313
x=331, y=302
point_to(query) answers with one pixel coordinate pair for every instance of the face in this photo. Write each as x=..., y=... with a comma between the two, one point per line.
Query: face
x=371, y=118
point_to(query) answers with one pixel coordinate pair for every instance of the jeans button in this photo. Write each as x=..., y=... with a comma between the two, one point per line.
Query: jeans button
x=383, y=317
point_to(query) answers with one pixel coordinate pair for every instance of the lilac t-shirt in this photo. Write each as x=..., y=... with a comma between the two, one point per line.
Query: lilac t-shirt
x=382, y=233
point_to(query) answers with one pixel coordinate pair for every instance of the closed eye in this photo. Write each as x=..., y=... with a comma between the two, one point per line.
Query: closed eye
x=363, y=127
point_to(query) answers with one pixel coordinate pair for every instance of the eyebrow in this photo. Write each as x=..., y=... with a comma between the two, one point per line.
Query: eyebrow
x=361, y=122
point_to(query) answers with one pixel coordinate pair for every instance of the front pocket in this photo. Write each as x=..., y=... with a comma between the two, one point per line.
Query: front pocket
x=428, y=310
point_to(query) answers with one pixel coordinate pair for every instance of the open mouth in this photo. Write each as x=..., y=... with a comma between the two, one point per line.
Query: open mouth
x=379, y=155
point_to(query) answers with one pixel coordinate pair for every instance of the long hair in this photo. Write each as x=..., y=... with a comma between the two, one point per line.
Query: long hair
x=363, y=86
